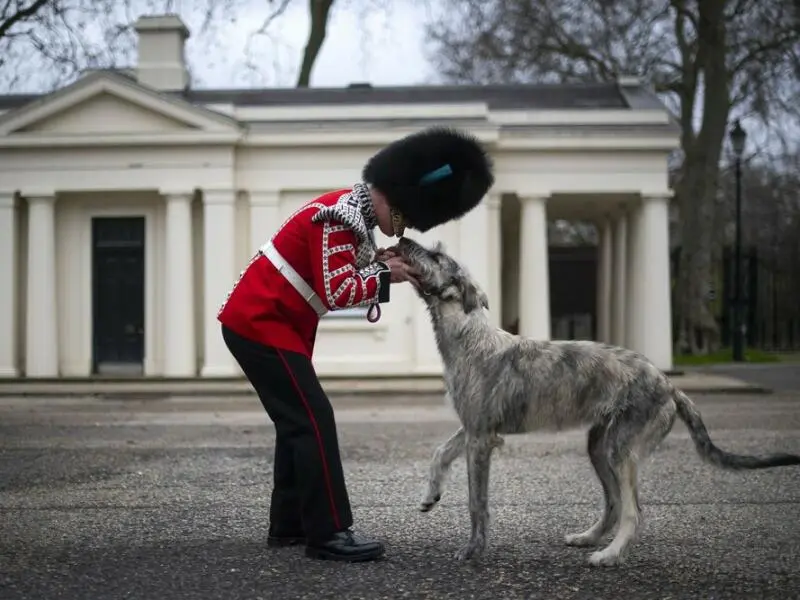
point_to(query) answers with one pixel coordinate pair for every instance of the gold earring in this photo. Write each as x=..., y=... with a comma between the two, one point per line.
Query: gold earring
x=398, y=223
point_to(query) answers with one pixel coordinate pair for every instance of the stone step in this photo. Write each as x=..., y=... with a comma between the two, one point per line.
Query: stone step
x=396, y=387
x=104, y=386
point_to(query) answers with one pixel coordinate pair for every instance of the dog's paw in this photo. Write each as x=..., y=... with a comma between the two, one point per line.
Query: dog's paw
x=603, y=558
x=470, y=550
x=580, y=540
x=428, y=503
x=497, y=442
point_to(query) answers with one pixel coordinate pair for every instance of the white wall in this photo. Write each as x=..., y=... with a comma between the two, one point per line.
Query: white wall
x=400, y=343
x=127, y=174
x=582, y=172
x=347, y=345
x=74, y=214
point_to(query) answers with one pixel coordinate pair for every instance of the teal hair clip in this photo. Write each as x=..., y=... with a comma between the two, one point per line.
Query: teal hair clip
x=436, y=175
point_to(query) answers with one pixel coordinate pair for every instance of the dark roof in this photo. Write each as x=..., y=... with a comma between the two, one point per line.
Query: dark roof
x=506, y=96
x=531, y=96
x=16, y=100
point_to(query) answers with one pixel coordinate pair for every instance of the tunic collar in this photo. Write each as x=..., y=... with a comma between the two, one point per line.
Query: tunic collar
x=361, y=192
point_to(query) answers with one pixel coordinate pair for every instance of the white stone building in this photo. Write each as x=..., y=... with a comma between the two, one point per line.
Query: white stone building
x=129, y=203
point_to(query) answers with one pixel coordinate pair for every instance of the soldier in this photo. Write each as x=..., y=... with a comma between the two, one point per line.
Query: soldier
x=324, y=258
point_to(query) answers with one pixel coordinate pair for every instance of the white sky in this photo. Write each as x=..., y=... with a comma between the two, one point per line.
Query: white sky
x=377, y=41
x=383, y=46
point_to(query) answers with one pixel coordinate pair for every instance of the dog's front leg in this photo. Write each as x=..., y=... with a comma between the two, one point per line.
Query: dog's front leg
x=443, y=457
x=479, y=452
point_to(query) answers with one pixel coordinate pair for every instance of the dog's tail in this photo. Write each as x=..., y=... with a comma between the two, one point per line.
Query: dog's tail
x=689, y=414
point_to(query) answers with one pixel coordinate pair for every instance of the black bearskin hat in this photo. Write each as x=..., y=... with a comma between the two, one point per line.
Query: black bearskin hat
x=431, y=177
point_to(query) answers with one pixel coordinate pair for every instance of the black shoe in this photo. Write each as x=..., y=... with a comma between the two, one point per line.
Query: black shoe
x=283, y=539
x=345, y=546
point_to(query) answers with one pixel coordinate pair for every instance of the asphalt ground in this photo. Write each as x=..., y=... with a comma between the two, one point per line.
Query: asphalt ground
x=784, y=377
x=152, y=500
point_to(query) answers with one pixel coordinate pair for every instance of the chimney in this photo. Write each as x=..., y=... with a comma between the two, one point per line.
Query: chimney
x=162, y=63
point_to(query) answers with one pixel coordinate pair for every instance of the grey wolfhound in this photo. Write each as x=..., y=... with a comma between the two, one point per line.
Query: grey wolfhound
x=501, y=383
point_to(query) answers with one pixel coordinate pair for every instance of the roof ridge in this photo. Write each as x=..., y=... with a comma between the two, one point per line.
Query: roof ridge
x=520, y=95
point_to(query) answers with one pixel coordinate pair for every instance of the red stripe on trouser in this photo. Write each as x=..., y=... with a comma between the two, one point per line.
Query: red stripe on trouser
x=319, y=440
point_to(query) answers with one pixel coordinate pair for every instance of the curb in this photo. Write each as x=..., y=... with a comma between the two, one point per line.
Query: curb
x=733, y=390
x=409, y=389
x=410, y=395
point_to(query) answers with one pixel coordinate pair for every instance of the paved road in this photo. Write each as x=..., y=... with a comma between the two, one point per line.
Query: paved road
x=781, y=377
x=142, y=500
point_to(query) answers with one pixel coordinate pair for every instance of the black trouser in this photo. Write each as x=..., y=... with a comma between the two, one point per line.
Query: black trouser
x=309, y=493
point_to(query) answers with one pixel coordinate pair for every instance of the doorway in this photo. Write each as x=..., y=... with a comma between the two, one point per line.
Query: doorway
x=118, y=288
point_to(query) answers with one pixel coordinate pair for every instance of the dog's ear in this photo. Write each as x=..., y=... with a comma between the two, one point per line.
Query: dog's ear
x=438, y=248
x=484, y=299
x=471, y=298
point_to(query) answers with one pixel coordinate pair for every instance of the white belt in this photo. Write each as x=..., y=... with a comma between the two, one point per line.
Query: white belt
x=293, y=277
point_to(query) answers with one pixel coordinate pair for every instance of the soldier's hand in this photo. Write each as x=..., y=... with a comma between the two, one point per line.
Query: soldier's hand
x=401, y=271
x=384, y=254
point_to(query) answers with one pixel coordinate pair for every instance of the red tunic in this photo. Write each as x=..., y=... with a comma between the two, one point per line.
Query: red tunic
x=329, y=244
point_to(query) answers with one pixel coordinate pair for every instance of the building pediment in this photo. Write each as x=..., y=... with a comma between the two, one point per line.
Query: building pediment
x=103, y=104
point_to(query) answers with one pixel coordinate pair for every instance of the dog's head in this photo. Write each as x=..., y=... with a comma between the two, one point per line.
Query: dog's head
x=443, y=281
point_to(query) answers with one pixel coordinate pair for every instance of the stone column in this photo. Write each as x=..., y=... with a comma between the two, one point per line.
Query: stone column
x=41, y=331
x=510, y=243
x=264, y=216
x=474, y=250
x=634, y=311
x=179, y=332
x=604, y=281
x=534, y=287
x=8, y=285
x=495, y=290
x=619, y=290
x=652, y=274
x=219, y=269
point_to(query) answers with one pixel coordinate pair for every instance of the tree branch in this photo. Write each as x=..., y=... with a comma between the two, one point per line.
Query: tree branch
x=782, y=40
x=685, y=13
x=687, y=87
x=319, y=13
x=284, y=4
x=21, y=15
x=570, y=48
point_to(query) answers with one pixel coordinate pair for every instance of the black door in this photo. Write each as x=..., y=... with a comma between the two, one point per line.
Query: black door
x=118, y=294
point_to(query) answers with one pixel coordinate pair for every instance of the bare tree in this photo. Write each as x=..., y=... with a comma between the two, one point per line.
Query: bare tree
x=319, y=11
x=770, y=210
x=16, y=12
x=706, y=59
x=771, y=230
x=47, y=43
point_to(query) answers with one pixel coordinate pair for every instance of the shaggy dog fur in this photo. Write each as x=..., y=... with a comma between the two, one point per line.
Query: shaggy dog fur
x=501, y=383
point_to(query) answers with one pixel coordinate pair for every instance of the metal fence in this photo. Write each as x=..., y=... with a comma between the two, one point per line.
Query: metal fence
x=771, y=297
x=771, y=300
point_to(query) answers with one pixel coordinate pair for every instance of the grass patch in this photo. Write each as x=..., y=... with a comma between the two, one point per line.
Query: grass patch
x=725, y=355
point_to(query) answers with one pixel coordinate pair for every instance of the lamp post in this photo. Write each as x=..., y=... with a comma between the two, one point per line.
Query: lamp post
x=738, y=137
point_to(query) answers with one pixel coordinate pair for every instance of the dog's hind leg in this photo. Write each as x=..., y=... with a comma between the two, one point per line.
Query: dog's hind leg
x=626, y=451
x=479, y=454
x=630, y=516
x=611, y=492
x=443, y=457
